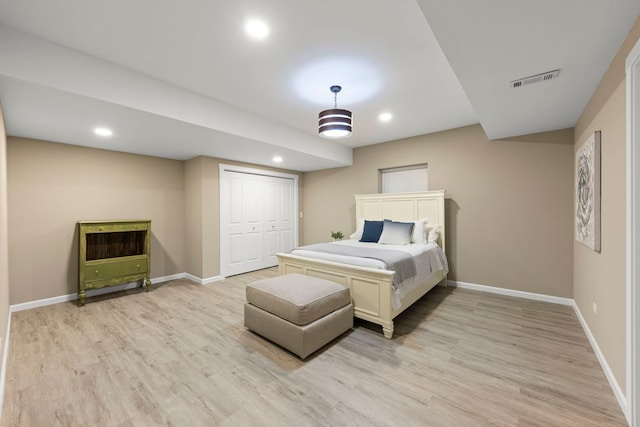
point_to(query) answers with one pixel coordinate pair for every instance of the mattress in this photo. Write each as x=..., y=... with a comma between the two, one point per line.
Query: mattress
x=429, y=258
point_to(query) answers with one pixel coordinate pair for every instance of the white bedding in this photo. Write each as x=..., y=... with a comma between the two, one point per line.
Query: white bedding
x=428, y=257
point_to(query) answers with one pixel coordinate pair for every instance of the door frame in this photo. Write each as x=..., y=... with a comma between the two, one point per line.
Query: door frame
x=632, y=67
x=261, y=172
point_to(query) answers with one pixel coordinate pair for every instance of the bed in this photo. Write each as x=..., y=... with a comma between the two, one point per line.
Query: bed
x=375, y=297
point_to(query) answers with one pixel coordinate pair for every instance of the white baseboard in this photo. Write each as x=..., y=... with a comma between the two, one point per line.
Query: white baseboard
x=168, y=278
x=90, y=293
x=5, y=356
x=615, y=387
x=617, y=391
x=511, y=292
x=200, y=281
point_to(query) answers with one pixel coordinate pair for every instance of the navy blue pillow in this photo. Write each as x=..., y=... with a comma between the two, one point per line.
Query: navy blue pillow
x=372, y=231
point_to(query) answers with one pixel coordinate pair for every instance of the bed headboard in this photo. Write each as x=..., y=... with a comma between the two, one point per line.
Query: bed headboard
x=404, y=207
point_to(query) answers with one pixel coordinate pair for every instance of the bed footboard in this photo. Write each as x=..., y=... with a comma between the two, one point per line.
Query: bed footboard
x=370, y=288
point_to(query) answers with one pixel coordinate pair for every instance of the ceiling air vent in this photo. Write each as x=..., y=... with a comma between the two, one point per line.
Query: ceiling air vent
x=543, y=77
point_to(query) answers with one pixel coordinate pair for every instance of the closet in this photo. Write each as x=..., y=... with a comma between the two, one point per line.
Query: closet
x=257, y=218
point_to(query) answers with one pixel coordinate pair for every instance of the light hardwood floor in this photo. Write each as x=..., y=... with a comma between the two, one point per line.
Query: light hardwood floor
x=180, y=355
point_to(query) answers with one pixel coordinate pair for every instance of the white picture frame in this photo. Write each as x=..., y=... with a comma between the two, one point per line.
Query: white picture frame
x=587, y=192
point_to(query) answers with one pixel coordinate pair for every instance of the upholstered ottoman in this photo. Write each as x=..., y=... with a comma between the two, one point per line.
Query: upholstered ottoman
x=300, y=313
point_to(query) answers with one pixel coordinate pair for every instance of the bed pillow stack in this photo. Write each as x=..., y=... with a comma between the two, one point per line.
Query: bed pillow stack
x=376, y=228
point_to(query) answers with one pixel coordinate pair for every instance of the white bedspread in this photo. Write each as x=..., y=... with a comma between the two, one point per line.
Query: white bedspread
x=429, y=258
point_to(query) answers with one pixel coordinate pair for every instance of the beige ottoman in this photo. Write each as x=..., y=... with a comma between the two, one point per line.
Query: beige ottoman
x=300, y=313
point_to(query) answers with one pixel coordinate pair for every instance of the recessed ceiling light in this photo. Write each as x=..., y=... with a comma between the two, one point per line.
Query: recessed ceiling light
x=277, y=159
x=103, y=131
x=385, y=117
x=256, y=29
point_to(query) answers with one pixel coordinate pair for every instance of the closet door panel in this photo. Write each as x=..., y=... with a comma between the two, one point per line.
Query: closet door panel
x=286, y=211
x=236, y=252
x=253, y=220
x=286, y=241
x=232, y=245
x=257, y=220
x=271, y=226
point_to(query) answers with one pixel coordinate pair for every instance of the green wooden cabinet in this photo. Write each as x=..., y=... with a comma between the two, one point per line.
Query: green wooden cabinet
x=112, y=253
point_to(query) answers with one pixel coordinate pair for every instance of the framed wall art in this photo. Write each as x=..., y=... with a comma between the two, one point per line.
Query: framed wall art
x=587, y=192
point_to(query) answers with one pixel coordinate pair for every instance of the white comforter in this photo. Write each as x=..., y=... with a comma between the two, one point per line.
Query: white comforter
x=429, y=258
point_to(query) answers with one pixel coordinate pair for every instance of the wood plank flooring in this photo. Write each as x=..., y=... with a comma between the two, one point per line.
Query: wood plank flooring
x=180, y=356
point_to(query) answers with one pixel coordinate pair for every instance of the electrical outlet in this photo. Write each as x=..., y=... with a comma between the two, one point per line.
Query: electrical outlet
x=301, y=215
x=595, y=308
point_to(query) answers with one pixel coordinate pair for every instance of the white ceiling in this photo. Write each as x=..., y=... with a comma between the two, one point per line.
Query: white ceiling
x=182, y=79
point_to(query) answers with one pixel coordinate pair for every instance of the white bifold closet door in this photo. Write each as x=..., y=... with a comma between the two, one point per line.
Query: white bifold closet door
x=257, y=215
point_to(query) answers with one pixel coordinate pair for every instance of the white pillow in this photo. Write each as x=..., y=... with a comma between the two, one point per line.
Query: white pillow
x=396, y=233
x=434, y=234
x=359, y=230
x=418, y=235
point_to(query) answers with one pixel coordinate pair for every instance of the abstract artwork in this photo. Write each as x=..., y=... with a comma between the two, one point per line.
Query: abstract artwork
x=587, y=181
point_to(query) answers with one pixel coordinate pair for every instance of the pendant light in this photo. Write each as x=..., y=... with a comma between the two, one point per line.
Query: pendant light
x=335, y=123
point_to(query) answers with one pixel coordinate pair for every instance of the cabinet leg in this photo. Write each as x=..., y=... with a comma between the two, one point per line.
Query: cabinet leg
x=81, y=296
x=388, y=331
x=147, y=284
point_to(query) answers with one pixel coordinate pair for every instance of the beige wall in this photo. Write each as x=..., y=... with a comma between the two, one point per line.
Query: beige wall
x=4, y=242
x=203, y=210
x=600, y=277
x=203, y=213
x=193, y=216
x=508, y=208
x=51, y=186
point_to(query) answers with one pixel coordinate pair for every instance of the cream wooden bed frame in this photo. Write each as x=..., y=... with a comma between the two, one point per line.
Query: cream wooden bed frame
x=371, y=288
